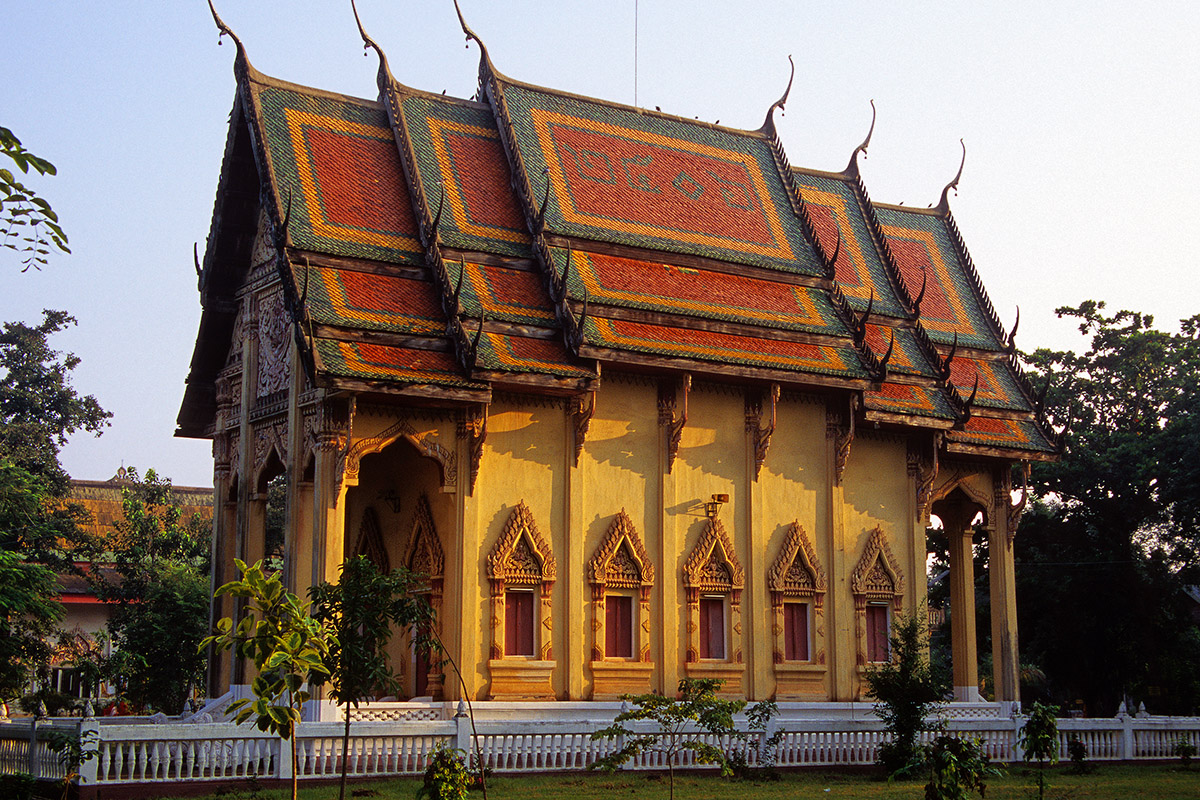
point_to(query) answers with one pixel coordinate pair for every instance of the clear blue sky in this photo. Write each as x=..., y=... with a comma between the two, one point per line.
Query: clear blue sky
x=1080, y=120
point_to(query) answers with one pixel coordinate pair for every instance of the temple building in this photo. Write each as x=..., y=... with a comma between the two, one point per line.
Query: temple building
x=641, y=400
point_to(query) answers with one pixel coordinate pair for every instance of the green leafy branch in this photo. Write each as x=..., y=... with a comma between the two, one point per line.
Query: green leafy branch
x=28, y=225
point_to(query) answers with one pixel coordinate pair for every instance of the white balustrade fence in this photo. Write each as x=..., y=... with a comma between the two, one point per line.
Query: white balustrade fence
x=140, y=753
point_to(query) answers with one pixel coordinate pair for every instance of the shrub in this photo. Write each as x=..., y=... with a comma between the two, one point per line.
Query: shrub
x=1185, y=750
x=17, y=786
x=1077, y=750
x=956, y=767
x=1039, y=740
x=906, y=693
x=446, y=777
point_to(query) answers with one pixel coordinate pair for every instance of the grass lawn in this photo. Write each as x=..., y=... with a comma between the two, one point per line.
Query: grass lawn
x=1104, y=783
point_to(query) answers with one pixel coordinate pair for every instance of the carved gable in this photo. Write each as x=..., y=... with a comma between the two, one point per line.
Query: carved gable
x=621, y=560
x=712, y=565
x=370, y=541
x=877, y=578
x=521, y=556
x=423, y=553
x=797, y=572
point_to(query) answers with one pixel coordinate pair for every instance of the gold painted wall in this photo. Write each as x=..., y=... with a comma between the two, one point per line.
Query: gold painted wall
x=528, y=456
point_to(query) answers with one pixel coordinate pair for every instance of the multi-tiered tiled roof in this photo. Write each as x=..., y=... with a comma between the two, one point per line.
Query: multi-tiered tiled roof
x=438, y=249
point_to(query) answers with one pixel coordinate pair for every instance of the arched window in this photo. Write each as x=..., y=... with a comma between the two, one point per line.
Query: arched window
x=521, y=571
x=797, y=584
x=878, y=587
x=713, y=580
x=621, y=577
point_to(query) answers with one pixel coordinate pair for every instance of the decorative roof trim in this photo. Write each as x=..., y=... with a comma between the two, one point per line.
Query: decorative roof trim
x=852, y=167
x=944, y=204
x=768, y=125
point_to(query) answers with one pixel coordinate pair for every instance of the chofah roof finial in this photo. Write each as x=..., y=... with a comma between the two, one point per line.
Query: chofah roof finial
x=852, y=167
x=242, y=62
x=944, y=203
x=769, y=122
x=384, y=78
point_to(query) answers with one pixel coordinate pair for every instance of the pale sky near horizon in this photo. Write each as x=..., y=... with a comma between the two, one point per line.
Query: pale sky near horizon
x=1080, y=121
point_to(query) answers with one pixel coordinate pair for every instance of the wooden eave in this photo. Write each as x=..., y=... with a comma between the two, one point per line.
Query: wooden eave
x=1005, y=453
x=908, y=420
x=430, y=394
x=622, y=359
x=685, y=322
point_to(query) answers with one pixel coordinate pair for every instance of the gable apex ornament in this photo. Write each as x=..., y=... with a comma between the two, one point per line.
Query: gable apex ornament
x=877, y=577
x=509, y=561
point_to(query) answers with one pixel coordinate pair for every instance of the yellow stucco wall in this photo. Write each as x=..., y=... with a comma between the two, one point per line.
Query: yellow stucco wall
x=529, y=456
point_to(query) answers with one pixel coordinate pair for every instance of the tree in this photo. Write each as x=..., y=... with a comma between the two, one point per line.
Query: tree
x=1039, y=740
x=28, y=612
x=906, y=693
x=682, y=723
x=1104, y=556
x=28, y=225
x=160, y=593
x=287, y=646
x=39, y=531
x=362, y=609
x=39, y=408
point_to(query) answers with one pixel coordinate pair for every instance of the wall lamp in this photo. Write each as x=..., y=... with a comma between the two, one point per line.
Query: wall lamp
x=712, y=507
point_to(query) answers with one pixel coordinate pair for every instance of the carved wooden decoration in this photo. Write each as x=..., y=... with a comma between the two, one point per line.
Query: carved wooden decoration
x=520, y=557
x=370, y=541
x=761, y=434
x=621, y=562
x=583, y=408
x=713, y=568
x=274, y=345
x=923, y=468
x=427, y=445
x=424, y=556
x=268, y=439
x=667, y=406
x=841, y=431
x=797, y=573
x=474, y=429
x=334, y=429
x=1003, y=500
x=876, y=579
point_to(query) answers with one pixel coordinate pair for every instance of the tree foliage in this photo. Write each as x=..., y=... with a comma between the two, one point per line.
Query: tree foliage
x=689, y=723
x=39, y=530
x=28, y=225
x=286, y=645
x=362, y=610
x=906, y=694
x=1104, y=556
x=159, y=590
x=39, y=408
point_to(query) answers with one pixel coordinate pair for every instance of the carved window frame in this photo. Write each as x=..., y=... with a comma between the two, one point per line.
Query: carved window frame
x=504, y=572
x=871, y=587
x=809, y=586
x=714, y=546
x=621, y=536
x=370, y=540
x=423, y=554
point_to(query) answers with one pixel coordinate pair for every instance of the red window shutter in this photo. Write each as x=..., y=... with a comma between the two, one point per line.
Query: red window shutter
x=712, y=627
x=518, y=623
x=618, y=626
x=877, y=633
x=421, y=673
x=795, y=631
